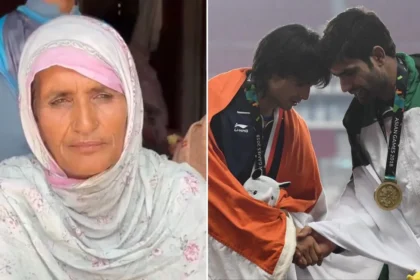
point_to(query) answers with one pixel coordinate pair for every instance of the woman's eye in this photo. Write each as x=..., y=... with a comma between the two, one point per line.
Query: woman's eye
x=58, y=101
x=103, y=96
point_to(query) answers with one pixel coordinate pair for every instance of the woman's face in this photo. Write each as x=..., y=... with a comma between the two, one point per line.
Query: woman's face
x=81, y=122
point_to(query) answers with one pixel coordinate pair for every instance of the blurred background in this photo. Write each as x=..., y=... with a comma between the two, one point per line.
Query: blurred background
x=235, y=27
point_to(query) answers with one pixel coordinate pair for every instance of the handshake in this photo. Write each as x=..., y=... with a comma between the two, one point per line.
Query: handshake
x=311, y=247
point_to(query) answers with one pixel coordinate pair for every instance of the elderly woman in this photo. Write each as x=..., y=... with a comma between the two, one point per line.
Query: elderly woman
x=91, y=203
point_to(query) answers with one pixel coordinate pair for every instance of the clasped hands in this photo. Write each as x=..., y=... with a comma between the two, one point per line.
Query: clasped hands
x=311, y=247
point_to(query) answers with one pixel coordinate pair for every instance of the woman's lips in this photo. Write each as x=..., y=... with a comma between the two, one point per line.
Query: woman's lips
x=87, y=146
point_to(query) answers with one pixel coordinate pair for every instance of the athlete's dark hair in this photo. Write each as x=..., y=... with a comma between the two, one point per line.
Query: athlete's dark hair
x=353, y=34
x=290, y=51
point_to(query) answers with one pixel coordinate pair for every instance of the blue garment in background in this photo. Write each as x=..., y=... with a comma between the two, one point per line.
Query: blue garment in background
x=15, y=28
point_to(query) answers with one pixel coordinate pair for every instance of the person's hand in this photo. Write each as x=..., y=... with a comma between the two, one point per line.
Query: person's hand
x=303, y=232
x=326, y=246
x=312, y=247
x=307, y=252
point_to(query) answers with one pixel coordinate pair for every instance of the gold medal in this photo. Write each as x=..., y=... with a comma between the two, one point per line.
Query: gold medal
x=388, y=195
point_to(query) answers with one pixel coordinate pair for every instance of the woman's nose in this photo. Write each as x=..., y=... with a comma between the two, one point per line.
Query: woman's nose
x=84, y=118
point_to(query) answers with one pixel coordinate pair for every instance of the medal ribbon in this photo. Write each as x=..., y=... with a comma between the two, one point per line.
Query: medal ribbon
x=397, y=120
x=251, y=96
